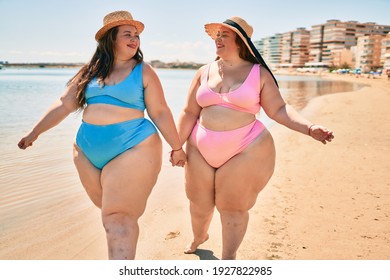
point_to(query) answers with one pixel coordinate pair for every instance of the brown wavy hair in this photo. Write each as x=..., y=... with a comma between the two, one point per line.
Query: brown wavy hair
x=100, y=65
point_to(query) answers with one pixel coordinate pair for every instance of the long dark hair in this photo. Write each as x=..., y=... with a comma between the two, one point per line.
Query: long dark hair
x=100, y=65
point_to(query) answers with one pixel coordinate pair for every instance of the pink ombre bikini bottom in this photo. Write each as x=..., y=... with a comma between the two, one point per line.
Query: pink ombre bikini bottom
x=217, y=147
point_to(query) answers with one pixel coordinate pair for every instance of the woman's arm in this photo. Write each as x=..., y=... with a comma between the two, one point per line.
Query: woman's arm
x=58, y=111
x=160, y=113
x=277, y=109
x=191, y=111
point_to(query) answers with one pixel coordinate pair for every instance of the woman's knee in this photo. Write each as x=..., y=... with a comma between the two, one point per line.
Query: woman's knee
x=232, y=213
x=231, y=210
x=239, y=206
x=118, y=223
x=202, y=210
x=228, y=214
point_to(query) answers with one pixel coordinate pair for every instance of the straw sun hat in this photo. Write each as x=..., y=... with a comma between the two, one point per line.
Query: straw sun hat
x=118, y=18
x=233, y=23
x=242, y=29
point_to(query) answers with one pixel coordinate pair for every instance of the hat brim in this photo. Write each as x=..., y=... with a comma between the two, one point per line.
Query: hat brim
x=137, y=24
x=213, y=28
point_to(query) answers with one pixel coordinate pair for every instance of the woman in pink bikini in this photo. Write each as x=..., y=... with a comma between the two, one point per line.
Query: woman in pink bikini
x=230, y=154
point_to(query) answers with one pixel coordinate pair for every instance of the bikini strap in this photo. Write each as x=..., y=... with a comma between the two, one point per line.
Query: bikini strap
x=258, y=76
x=254, y=77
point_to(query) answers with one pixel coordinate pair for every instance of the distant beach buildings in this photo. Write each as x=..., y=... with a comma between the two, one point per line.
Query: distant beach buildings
x=334, y=44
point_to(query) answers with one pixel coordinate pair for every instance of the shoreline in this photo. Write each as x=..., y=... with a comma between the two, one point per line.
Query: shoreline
x=335, y=197
x=323, y=202
x=155, y=63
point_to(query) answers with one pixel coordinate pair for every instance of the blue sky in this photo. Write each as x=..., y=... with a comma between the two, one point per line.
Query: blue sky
x=64, y=30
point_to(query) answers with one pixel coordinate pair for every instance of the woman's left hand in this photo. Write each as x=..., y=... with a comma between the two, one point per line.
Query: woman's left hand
x=178, y=158
x=321, y=133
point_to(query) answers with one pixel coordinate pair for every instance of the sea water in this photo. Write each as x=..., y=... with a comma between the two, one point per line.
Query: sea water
x=26, y=94
x=38, y=178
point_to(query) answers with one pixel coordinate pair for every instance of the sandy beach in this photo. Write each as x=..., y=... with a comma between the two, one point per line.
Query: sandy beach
x=324, y=201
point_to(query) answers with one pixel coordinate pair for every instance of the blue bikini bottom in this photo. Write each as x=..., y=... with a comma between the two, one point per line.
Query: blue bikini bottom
x=102, y=143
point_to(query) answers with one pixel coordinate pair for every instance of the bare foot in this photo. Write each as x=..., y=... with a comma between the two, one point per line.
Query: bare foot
x=193, y=246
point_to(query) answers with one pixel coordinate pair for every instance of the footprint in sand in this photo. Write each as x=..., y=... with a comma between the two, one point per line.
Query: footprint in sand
x=172, y=234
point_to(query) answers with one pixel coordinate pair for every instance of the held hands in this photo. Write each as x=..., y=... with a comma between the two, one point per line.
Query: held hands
x=321, y=133
x=178, y=157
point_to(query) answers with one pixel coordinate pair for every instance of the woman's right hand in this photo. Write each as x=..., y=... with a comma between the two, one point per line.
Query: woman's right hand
x=321, y=133
x=27, y=141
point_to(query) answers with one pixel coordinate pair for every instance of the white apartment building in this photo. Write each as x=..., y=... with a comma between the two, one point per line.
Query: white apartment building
x=368, y=52
x=295, y=48
x=385, y=53
x=326, y=45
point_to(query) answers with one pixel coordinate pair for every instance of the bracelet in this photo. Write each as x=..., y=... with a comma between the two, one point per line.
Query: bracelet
x=310, y=129
x=171, y=152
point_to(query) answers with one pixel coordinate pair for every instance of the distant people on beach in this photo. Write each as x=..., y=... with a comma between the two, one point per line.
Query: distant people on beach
x=231, y=154
x=118, y=152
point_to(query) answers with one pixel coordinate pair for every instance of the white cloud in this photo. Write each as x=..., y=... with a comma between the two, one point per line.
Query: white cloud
x=168, y=51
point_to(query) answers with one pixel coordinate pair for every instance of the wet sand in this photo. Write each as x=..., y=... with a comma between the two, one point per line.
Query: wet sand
x=324, y=201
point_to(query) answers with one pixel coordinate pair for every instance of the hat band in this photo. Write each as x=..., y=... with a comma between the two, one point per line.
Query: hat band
x=251, y=45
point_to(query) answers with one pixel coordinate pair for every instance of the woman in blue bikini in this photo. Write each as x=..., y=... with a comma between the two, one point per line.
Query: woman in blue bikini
x=118, y=153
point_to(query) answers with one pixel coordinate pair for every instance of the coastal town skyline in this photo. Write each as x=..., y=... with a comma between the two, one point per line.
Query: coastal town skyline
x=47, y=32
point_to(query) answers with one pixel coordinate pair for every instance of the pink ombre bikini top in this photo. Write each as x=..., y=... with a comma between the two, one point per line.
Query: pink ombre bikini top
x=245, y=98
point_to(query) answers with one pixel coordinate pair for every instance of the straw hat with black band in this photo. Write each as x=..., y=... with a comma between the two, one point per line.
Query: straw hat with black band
x=117, y=18
x=245, y=31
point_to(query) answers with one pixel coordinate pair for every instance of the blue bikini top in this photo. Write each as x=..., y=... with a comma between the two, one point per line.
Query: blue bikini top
x=128, y=93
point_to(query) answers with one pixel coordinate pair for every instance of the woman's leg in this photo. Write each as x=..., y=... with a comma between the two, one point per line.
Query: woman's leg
x=89, y=176
x=127, y=182
x=237, y=185
x=199, y=177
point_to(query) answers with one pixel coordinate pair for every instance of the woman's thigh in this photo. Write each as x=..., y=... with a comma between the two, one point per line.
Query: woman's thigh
x=199, y=177
x=128, y=179
x=239, y=181
x=89, y=175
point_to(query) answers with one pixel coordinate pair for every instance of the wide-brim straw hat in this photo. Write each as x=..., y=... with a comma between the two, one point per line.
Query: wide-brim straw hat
x=117, y=18
x=213, y=28
x=242, y=29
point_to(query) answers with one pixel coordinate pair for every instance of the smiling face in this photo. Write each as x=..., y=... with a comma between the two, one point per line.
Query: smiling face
x=226, y=42
x=127, y=42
